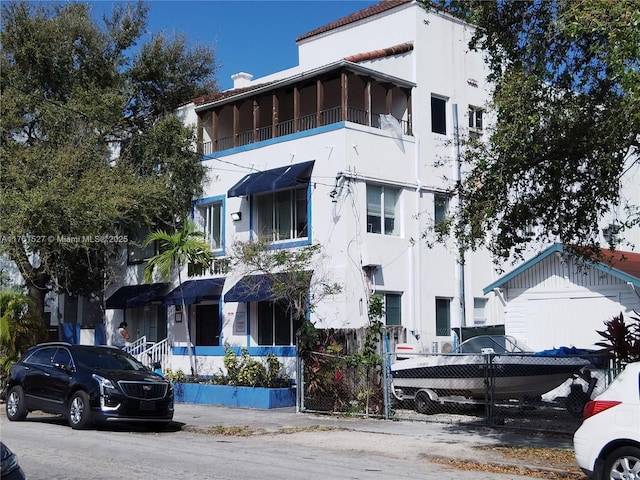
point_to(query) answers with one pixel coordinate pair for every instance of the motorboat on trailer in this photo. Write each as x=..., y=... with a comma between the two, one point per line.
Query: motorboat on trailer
x=483, y=367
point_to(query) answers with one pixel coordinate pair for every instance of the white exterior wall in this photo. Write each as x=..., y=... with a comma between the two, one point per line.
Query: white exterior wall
x=629, y=194
x=341, y=226
x=438, y=64
x=557, y=303
x=385, y=30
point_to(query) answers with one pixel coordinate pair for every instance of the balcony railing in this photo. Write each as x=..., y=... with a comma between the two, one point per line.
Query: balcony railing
x=307, y=122
x=219, y=266
x=264, y=133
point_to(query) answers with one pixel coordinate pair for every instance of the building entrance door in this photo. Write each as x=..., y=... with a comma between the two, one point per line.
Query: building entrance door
x=207, y=325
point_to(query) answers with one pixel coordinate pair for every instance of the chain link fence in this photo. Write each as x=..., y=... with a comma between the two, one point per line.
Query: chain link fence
x=341, y=384
x=545, y=393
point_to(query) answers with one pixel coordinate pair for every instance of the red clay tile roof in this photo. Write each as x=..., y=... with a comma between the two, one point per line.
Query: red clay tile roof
x=384, y=52
x=212, y=97
x=354, y=17
x=627, y=262
x=395, y=50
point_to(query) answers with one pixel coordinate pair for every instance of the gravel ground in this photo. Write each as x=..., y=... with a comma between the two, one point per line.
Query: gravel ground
x=540, y=418
x=533, y=462
x=546, y=463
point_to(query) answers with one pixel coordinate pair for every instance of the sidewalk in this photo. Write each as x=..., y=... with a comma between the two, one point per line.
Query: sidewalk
x=448, y=441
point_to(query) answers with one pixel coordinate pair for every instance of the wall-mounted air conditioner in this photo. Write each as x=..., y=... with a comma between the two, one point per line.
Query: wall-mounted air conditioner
x=442, y=346
x=369, y=257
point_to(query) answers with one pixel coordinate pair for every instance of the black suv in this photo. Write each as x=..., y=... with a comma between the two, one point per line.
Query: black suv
x=86, y=384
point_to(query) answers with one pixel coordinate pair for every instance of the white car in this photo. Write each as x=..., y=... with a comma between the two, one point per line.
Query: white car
x=607, y=444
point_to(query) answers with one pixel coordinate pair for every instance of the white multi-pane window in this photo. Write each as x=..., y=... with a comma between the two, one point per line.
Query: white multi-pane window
x=383, y=205
x=282, y=215
x=475, y=119
x=440, y=208
x=209, y=217
x=479, y=316
x=443, y=317
x=276, y=324
x=392, y=304
x=438, y=115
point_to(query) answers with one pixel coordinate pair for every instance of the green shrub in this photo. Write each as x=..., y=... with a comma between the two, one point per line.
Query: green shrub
x=245, y=371
x=177, y=376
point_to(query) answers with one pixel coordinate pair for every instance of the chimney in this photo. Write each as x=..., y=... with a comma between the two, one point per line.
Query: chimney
x=241, y=79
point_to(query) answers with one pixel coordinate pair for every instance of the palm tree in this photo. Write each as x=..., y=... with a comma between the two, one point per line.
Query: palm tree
x=187, y=246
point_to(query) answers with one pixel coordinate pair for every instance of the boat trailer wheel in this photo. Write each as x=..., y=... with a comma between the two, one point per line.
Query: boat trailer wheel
x=424, y=403
x=576, y=401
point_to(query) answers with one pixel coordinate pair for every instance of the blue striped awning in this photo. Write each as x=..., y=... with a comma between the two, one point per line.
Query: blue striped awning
x=195, y=291
x=272, y=180
x=252, y=288
x=136, y=296
x=259, y=288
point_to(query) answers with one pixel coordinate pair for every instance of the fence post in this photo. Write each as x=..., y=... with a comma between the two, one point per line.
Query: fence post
x=299, y=384
x=386, y=390
x=489, y=387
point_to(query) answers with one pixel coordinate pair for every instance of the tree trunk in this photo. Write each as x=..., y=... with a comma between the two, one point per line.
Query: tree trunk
x=36, y=280
x=185, y=322
x=38, y=296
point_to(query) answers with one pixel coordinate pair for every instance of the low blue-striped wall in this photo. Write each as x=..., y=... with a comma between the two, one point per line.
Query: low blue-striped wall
x=229, y=396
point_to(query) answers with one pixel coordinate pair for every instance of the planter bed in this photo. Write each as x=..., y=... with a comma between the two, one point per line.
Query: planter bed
x=230, y=396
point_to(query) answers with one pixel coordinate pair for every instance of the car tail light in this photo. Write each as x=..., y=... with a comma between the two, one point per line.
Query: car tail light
x=596, y=406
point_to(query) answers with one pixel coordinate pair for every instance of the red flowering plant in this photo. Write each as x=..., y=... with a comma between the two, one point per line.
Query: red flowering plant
x=324, y=376
x=622, y=340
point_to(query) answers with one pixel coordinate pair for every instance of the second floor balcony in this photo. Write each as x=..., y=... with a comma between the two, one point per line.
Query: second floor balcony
x=342, y=92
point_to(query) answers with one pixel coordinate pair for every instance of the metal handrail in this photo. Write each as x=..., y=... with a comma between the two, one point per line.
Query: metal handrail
x=158, y=352
x=136, y=346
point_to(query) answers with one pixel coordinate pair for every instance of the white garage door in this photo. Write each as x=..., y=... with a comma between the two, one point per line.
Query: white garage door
x=570, y=322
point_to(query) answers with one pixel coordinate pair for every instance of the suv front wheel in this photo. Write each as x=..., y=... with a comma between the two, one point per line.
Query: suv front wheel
x=15, y=407
x=79, y=411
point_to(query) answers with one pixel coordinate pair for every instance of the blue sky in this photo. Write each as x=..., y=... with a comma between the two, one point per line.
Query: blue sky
x=254, y=36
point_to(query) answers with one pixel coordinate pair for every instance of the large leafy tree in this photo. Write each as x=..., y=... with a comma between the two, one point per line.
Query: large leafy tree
x=567, y=107
x=20, y=327
x=186, y=246
x=91, y=147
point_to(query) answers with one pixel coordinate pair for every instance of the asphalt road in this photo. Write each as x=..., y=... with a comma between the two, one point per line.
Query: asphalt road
x=50, y=450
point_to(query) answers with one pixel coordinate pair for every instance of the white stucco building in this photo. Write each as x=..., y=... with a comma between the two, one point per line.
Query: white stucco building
x=356, y=149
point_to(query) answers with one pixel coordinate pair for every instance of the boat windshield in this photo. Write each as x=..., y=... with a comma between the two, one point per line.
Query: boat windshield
x=499, y=343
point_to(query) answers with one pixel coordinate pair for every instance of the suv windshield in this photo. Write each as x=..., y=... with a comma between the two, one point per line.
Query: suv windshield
x=106, y=359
